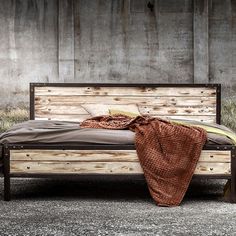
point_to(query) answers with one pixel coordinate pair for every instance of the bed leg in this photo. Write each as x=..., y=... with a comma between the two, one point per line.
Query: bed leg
x=6, y=166
x=233, y=176
x=7, y=191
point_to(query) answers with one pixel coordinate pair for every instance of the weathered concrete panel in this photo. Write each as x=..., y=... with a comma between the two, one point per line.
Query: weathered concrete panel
x=66, y=40
x=176, y=6
x=176, y=47
x=125, y=41
x=133, y=41
x=28, y=47
x=221, y=44
x=201, y=40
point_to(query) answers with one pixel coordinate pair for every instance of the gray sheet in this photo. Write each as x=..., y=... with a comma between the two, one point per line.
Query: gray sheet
x=50, y=132
x=34, y=131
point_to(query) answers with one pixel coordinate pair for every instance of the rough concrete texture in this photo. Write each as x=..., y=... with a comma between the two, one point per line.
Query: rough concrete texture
x=115, y=41
x=115, y=207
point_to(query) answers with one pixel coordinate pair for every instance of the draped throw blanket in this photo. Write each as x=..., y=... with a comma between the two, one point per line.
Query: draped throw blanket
x=168, y=153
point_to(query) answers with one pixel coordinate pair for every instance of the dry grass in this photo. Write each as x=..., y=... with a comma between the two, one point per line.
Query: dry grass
x=228, y=113
x=9, y=117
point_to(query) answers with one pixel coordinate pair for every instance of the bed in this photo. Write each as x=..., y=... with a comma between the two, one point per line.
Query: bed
x=65, y=105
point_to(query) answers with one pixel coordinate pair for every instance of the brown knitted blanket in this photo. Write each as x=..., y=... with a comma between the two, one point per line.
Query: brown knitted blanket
x=168, y=153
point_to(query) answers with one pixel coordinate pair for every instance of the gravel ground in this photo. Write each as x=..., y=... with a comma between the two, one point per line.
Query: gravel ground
x=112, y=207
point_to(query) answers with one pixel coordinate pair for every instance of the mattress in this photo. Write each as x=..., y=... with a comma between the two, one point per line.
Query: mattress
x=56, y=132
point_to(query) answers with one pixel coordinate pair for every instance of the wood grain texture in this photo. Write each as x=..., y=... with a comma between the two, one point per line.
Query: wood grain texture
x=102, y=161
x=147, y=100
x=80, y=118
x=126, y=91
x=213, y=168
x=73, y=118
x=71, y=103
x=103, y=167
x=143, y=109
x=75, y=167
x=101, y=155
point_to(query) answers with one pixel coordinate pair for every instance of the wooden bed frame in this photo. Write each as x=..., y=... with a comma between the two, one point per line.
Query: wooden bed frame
x=51, y=101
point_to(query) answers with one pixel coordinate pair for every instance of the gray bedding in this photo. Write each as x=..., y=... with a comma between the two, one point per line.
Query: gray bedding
x=52, y=132
x=34, y=131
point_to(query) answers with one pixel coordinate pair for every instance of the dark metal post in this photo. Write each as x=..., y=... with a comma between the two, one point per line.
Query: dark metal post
x=6, y=166
x=218, y=103
x=233, y=176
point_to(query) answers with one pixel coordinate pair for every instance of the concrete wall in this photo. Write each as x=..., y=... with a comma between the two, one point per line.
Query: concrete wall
x=28, y=47
x=171, y=41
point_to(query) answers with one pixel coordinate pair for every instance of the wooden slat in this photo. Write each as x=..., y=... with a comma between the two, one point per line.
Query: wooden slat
x=207, y=119
x=151, y=110
x=209, y=168
x=175, y=110
x=101, y=155
x=160, y=101
x=75, y=103
x=60, y=109
x=215, y=156
x=75, y=167
x=75, y=155
x=126, y=91
x=104, y=167
x=76, y=118
x=80, y=118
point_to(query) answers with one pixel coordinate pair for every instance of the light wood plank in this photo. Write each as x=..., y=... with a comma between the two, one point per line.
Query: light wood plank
x=104, y=167
x=75, y=155
x=80, y=118
x=76, y=167
x=71, y=103
x=75, y=118
x=151, y=110
x=209, y=168
x=215, y=156
x=160, y=101
x=126, y=91
x=207, y=119
x=60, y=109
x=175, y=110
x=101, y=155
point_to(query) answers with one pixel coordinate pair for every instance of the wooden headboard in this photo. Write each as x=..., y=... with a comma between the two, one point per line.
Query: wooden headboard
x=65, y=101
